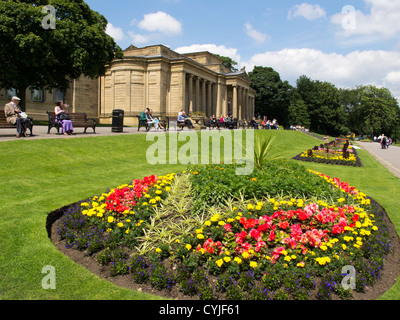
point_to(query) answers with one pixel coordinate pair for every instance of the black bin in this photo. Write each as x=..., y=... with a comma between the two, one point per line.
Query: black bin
x=118, y=120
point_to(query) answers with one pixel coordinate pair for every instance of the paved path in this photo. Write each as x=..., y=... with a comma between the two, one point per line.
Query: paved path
x=40, y=132
x=389, y=158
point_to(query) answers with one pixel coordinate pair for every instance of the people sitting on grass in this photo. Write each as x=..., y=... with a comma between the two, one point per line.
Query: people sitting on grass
x=182, y=118
x=62, y=117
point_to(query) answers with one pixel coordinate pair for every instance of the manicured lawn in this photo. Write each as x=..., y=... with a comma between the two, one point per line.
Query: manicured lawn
x=40, y=176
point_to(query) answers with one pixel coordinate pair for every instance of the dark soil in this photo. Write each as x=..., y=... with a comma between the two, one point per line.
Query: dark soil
x=388, y=277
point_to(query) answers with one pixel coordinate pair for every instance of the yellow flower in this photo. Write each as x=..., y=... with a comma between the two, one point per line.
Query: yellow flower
x=158, y=250
x=215, y=218
x=245, y=255
x=167, y=189
x=287, y=258
x=199, y=231
x=341, y=200
x=120, y=224
x=238, y=260
x=253, y=264
x=110, y=219
x=301, y=264
x=344, y=246
x=188, y=247
x=200, y=237
x=127, y=231
x=207, y=223
x=250, y=207
x=219, y=263
x=227, y=259
x=158, y=192
x=258, y=208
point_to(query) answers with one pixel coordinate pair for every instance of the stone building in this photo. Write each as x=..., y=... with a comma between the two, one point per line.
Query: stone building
x=160, y=79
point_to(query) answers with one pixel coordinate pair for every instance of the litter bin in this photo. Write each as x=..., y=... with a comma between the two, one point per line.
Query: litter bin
x=118, y=120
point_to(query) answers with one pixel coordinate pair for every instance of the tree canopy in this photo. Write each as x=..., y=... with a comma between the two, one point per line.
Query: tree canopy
x=273, y=96
x=33, y=56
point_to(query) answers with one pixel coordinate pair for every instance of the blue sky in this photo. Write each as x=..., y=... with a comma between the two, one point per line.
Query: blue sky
x=347, y=43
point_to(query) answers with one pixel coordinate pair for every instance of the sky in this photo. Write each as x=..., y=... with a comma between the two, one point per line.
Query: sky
x=345, y=42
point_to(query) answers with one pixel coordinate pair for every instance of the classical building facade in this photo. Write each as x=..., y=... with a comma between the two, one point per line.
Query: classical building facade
x=158, y=78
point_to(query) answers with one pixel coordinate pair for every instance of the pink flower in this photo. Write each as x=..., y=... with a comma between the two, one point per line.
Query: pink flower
x=228, y=228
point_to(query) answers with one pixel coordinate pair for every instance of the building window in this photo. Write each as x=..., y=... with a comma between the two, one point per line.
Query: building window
x=38, y=95
x=58, y=95
x=11, y=93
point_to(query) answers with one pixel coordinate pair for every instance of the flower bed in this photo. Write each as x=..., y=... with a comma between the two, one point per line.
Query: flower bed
x=275, y=246
x=331, y=153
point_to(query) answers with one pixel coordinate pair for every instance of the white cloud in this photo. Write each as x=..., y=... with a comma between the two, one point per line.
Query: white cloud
x=161, y=22
x=115, y=32
x=213, y=48
x=254, y=34
x=138, y=38
x=376, y=67
x=307, y=11
x=381, y=22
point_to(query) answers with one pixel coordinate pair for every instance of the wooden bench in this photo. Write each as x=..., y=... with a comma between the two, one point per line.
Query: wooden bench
x=144, y=124
x=5, y=125
x=79, y=120
x=243, y=124
x=208, y=124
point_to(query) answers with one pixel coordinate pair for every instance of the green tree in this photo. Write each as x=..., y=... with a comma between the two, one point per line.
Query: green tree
x=298, y=112
x=378, y=109
x=273, y=96
x=228, y=62
x=326, y=114
x=36, y=57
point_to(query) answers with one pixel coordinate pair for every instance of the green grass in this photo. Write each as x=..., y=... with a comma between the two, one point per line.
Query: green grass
x=39, y=176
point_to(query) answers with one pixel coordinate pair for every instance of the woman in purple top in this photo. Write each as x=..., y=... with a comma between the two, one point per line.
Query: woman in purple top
x=67, y=127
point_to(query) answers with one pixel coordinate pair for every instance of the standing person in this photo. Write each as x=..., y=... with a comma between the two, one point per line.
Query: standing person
x=383, y=142
x=63, y=118
x=13, y=115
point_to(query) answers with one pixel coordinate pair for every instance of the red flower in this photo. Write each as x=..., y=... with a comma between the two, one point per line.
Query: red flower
x=283, y=225
x=228, y=228
x=271, y=236
x=255, y=234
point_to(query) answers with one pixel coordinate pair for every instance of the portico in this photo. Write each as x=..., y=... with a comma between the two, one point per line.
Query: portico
x=166, y=82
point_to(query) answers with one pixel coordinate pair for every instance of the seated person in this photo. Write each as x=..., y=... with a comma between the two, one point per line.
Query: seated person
x=253, y=123
x=158, y=123
x=67, y=128
x=182, y=118
x=13, y=115
x=145, y=116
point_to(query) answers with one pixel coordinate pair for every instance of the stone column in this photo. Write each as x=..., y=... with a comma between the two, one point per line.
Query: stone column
x=225, y=103
x=203, y=96
x=235, y=109
x=209, y=99
x=219, y=107
x=190, y=93
x=197, y=106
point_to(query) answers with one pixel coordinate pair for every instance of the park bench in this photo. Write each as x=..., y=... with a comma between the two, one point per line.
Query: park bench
x=144, y=124
x=5, y=125
x=79, y=120
x=207, y=124
x=242, y=124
